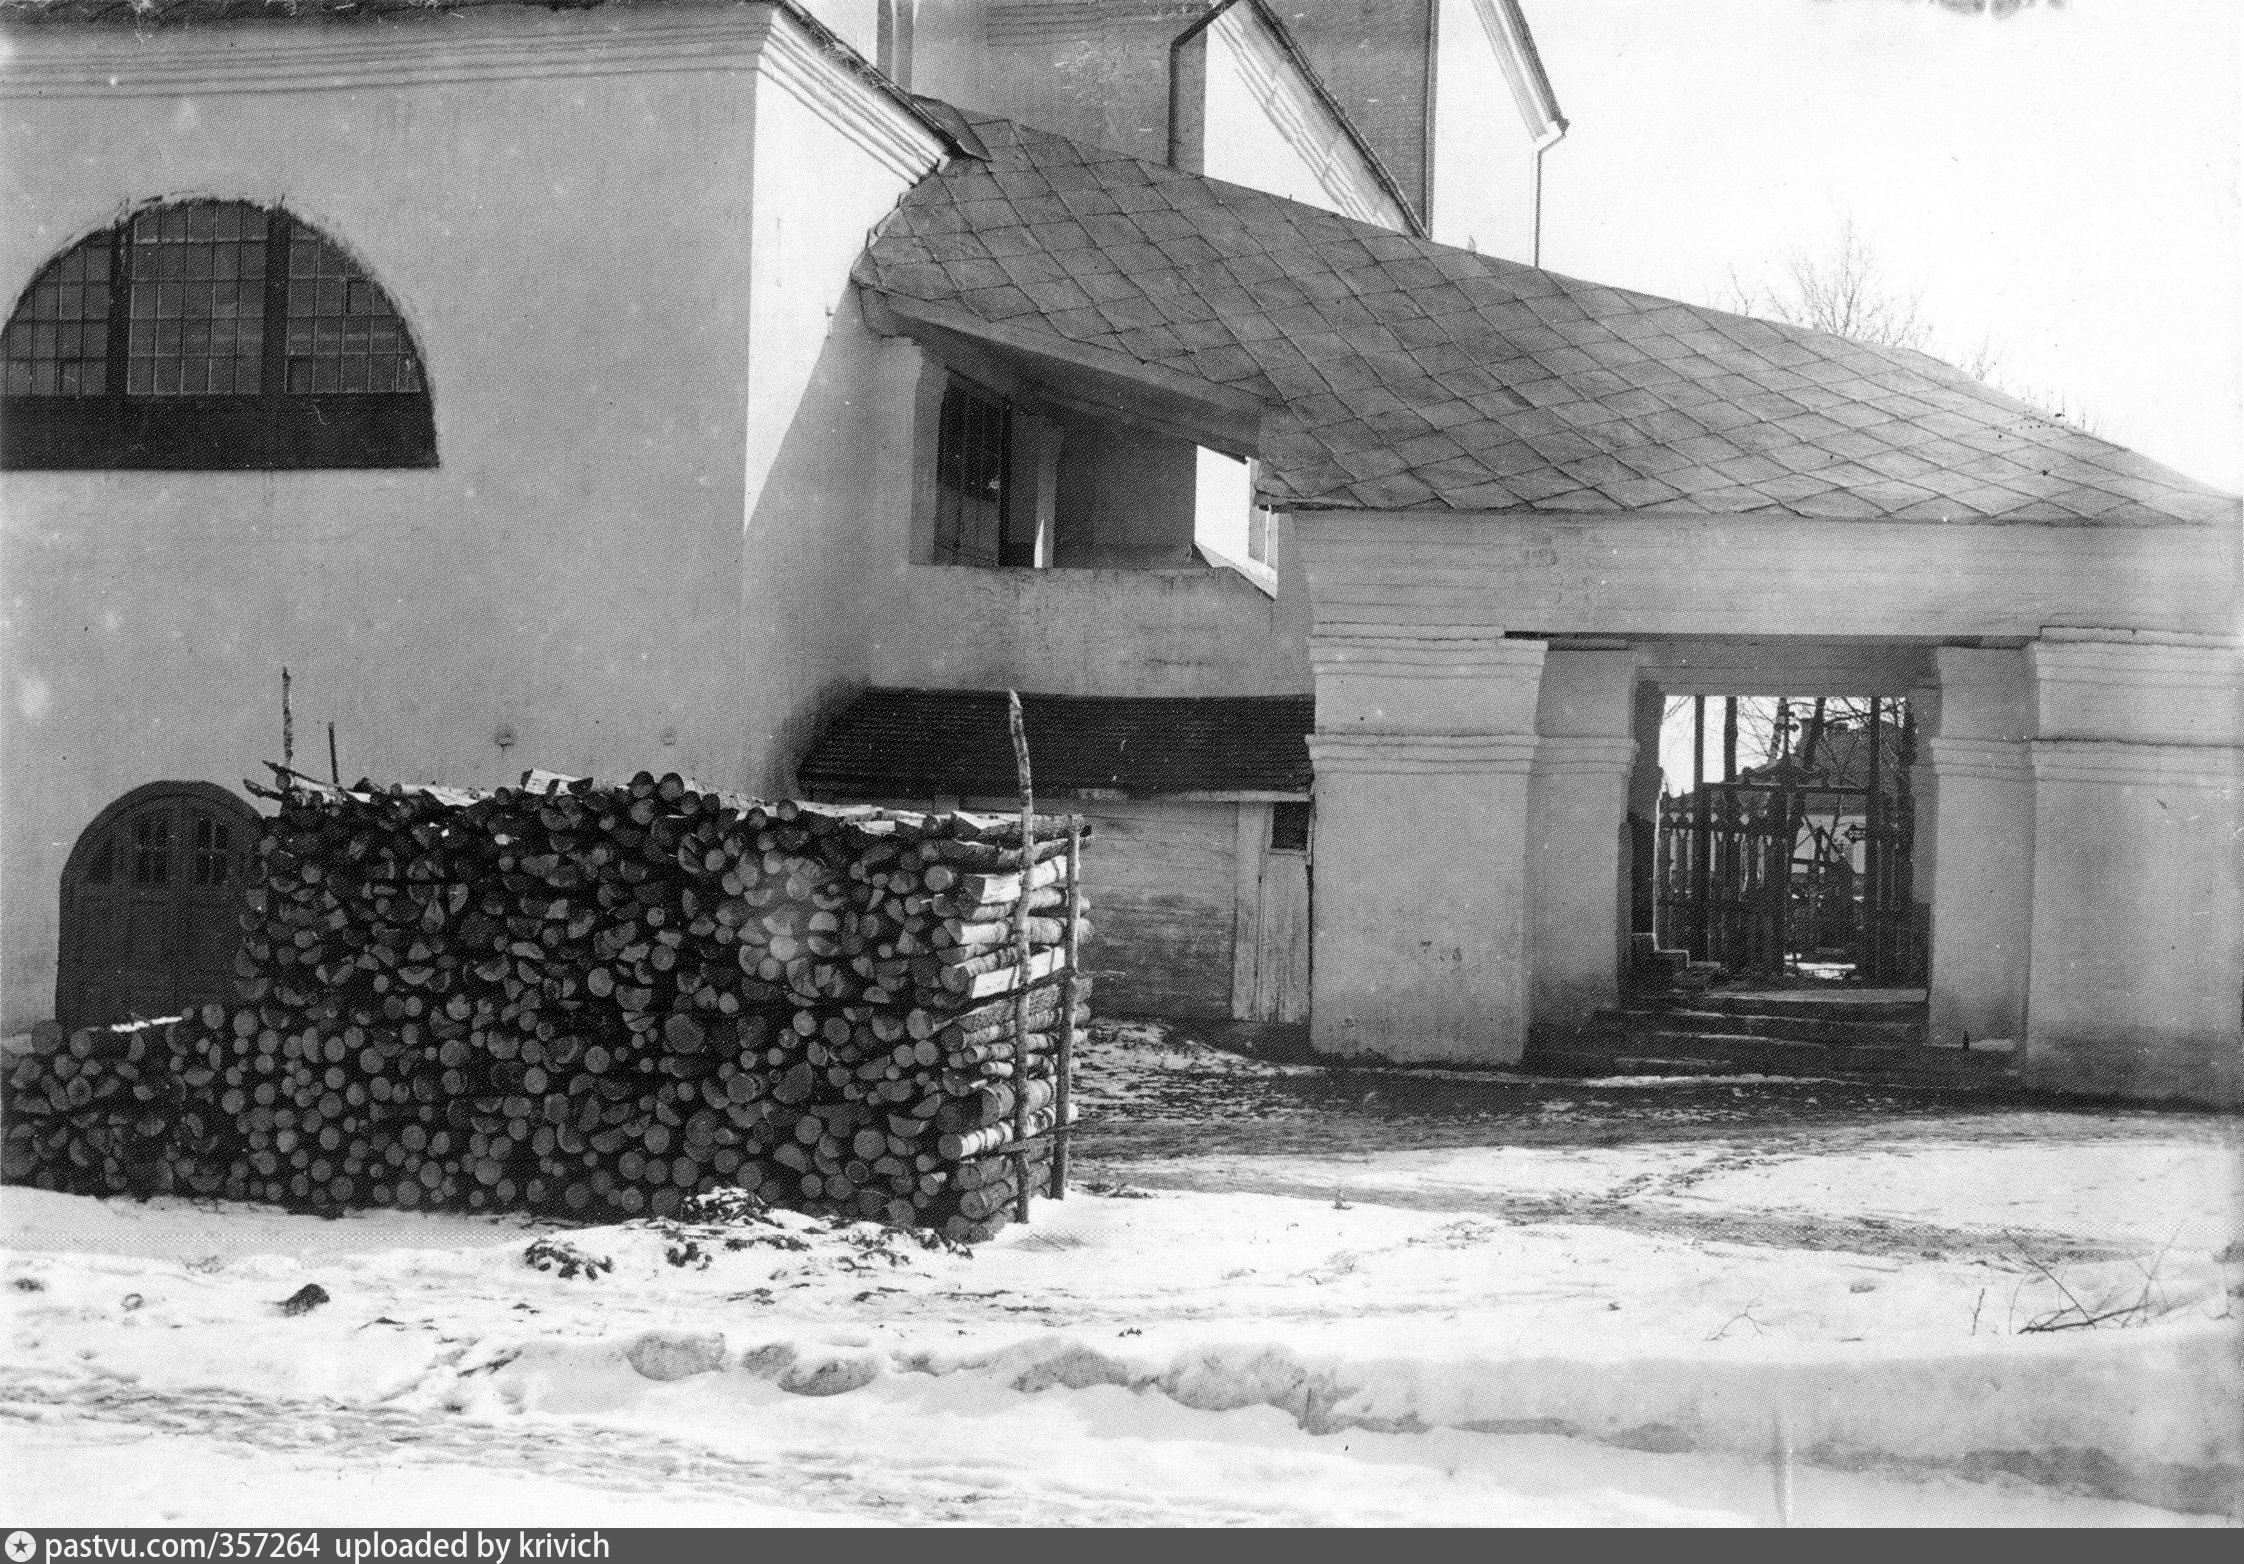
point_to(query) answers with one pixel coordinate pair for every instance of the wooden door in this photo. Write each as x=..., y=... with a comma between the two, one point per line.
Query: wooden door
x=1271, y=971
x=150, y=904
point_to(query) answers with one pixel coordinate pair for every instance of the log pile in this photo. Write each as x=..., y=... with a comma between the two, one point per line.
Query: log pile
x=599, y=999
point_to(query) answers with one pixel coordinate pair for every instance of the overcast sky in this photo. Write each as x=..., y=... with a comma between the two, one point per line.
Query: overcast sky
x=2061, y=180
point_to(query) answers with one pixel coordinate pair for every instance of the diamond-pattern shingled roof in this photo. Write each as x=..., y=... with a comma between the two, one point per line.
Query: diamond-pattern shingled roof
x=1408, y=375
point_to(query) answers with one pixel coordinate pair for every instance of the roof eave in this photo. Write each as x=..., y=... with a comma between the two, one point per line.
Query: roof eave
x=1224, y=420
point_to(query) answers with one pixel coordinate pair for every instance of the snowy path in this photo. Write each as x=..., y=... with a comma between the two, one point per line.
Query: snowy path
x=1790, y=1193
x=1790, y=1164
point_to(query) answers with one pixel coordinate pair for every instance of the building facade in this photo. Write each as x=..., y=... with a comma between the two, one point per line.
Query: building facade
x=640, y=385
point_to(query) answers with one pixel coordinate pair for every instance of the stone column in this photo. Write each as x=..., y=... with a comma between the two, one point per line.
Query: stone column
x=2137, y=985
x=1982, y=847
x=1924, y=791
x=1644, y=788
x=1577, y=828
x=1422, y=749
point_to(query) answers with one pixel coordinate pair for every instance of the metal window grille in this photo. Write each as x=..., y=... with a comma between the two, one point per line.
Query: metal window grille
x=194, y=334
x=195, y=282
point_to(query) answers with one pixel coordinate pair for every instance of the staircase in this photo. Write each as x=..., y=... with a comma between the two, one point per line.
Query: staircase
x=1680, y=1018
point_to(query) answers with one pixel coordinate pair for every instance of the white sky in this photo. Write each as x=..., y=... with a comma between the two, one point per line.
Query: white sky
x=2062, y=181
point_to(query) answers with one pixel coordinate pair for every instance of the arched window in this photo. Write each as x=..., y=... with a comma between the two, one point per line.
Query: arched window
x=211, y=335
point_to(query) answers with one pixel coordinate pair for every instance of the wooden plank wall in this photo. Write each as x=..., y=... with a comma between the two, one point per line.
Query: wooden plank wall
x=1270, y=975
x=1162, y=877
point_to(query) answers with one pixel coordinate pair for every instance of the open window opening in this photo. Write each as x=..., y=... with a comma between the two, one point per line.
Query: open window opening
x=1026, y=477
x=1230, y=527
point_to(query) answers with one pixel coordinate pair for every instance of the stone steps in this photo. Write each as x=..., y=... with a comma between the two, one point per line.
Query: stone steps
x=1873, y=1036
x=1696, y=1015
x=1789, y=1006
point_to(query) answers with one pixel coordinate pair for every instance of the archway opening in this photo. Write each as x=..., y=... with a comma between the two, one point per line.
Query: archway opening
x=1786, y=838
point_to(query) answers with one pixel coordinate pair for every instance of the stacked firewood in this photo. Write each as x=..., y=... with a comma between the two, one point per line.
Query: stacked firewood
x=101, y=1111
x=600, y=999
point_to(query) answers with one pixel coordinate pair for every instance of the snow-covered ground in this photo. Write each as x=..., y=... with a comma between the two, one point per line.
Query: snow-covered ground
x=1525, y=1313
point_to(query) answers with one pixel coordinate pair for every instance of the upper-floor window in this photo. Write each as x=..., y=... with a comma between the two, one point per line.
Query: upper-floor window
x=210, y=335
x=973, y=461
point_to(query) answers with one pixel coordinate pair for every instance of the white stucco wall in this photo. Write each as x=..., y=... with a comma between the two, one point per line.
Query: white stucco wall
x=1682, y=575
x=560, y=204
x=1483, y=155
x=2088, y=891
x=1196, y=631
x=1246, y=114
x=830, y=161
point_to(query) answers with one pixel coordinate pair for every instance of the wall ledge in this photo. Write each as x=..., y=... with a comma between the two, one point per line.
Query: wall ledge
x=1389, y=753
x=2120, y=763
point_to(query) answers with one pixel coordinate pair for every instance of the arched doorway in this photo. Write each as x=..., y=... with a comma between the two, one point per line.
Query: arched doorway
x=150, y=902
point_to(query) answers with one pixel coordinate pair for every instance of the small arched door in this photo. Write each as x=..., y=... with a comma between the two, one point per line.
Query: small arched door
x=151, y=898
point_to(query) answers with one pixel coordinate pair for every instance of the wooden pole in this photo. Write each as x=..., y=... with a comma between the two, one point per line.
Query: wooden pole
x=1776, y=874
x=1703, y=836
x=1909, y=956
x=1728, y=875
x=1022, y=1193
x=334, y=766
x=288, y=725
x=1064, y=1063
x=1873, y=821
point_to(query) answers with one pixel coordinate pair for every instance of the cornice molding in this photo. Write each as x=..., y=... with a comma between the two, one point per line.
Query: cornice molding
x=1422, y=652
x=792, y=60
x=2068, y=635
x=1268, y=72
x=1380, y=752
x=448, y=48
x=441, y=47
x=2174, y=663
x=1991, y=760
x=1584, y=755
x=2216, y=767
x=1516, y=56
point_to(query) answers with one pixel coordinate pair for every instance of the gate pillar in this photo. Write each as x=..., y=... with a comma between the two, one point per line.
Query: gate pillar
x=1577, y=833
x=2138, y=906
x=1982, y=847
x=1424, y=740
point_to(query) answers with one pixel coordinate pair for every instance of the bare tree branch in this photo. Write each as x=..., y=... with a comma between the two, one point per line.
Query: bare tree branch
x=1844, y=288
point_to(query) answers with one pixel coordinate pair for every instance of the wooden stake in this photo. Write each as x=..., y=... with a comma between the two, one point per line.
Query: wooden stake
x=288, y=725
x=334, y=766
x=1022, y=1195
x=1064, y=1062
